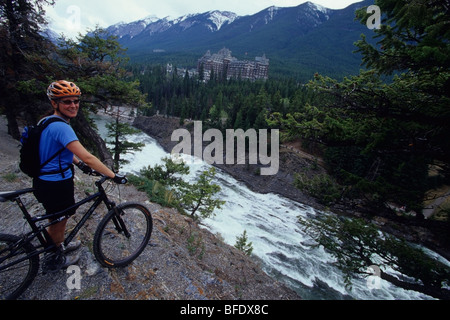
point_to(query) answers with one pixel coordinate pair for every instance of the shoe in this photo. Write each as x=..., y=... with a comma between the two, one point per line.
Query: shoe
x=72, y=246
x=53, y=262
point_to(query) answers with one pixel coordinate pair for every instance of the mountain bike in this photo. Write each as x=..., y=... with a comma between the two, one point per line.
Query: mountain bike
x=120, y=237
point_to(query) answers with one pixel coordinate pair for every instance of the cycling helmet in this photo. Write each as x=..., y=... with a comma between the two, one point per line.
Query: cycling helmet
x=62, y=88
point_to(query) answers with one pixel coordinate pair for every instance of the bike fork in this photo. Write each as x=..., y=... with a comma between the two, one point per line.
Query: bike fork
x=119, y=224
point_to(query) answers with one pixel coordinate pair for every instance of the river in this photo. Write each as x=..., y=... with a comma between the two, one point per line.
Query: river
x=284, y=250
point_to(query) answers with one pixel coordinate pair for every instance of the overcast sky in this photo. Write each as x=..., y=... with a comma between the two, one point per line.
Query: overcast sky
x=72, y=17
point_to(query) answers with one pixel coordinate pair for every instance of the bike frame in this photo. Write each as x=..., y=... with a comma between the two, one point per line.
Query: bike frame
x=40, y=232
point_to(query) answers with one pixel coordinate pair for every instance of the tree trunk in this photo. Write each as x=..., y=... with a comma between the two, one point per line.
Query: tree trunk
x=13, y=127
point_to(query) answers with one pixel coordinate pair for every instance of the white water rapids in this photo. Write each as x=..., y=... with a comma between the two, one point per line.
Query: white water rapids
x=285, y=251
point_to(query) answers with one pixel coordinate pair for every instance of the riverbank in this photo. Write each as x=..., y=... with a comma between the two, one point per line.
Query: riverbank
x=431, y=234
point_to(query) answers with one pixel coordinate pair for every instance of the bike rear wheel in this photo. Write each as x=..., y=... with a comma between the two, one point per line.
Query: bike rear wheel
x=15, y=279
x=122, y=235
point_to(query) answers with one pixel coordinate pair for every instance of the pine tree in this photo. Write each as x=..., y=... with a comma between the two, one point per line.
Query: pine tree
x=23, y=58
x=120, y=144
x=383, y=129
x=199, y=198
x=393, y=117
x=243, y=244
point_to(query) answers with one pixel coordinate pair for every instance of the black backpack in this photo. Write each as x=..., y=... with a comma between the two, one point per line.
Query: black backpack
x=30, y=162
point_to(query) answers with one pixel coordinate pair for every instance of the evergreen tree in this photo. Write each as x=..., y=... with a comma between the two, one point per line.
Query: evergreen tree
x=198, y=198
x=243, y=244
x=97, y=61
x=118, y=131
x=381, y=134
x=415, y=47
x=24, y=62
x=358, y=246
x=395, y=127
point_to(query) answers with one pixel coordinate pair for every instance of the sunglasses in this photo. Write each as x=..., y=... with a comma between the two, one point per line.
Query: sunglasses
x=69, y=102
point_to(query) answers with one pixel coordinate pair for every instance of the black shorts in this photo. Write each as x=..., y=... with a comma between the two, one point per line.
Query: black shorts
x=55, y=196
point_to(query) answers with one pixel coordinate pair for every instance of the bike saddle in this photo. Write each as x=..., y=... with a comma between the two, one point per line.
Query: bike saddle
x=11, y=195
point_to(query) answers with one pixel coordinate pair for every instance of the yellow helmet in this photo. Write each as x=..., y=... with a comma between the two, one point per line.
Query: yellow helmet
x=62, y=88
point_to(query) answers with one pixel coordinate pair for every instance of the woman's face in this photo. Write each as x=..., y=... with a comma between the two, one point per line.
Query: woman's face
x=66, y=107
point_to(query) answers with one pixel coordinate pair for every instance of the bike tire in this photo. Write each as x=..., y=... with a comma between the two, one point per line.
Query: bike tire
x=112, y=248
x=15, y=279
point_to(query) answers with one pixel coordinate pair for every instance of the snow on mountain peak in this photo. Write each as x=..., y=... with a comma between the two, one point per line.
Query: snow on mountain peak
x=219, y=18
x=213, y=20
x=318, y=7
x=132, y=29
x=180, y=19
x=272, y=12
x=150, y=19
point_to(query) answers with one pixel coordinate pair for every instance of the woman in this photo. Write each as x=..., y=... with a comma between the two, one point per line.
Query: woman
x=54, y=188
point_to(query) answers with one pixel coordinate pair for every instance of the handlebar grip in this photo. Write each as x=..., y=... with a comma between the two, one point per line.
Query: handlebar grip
x=119, y=179
x=95, y=173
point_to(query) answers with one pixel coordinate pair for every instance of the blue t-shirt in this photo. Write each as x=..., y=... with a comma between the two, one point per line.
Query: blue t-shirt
x=57, y=135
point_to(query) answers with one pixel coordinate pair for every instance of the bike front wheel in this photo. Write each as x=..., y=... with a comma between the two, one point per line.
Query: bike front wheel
x=18, y=266
x=122, y=235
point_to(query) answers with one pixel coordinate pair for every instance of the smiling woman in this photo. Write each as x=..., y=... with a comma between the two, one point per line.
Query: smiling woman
x=54, y=186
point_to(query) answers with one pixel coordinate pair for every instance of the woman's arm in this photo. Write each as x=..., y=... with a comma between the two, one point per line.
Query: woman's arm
x=92, y=161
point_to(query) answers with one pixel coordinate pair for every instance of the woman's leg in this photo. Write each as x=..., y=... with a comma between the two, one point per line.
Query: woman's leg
x=57, y=232
x=55, y=196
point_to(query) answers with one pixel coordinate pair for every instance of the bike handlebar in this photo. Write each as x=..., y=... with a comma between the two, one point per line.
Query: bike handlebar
x=119, y=179
x=97, y=174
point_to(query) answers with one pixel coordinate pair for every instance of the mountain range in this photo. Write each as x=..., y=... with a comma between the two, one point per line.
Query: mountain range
x=299, y=41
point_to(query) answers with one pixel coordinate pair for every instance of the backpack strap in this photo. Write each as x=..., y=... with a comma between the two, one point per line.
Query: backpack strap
x=45, y=123
x=51, y=158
